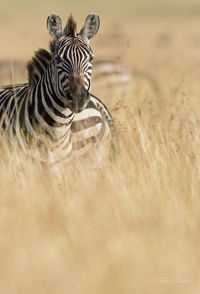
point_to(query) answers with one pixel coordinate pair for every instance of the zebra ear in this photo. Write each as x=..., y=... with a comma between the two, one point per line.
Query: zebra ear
x=54, y=25
x=90, y=27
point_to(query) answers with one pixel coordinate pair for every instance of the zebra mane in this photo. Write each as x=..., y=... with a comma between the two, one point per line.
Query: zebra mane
x=37, y=66
x=70, y=28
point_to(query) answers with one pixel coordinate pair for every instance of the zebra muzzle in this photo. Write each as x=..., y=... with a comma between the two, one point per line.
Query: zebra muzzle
x=77, y=101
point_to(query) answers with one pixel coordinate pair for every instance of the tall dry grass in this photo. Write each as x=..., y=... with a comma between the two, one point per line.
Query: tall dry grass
x=131, y=226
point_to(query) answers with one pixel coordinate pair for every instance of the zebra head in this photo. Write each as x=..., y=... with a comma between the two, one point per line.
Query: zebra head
x=72, y=59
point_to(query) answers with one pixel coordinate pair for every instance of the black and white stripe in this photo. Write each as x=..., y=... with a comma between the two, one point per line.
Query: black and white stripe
x=55, y=110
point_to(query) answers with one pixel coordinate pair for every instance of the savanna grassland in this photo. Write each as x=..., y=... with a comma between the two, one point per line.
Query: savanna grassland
x=131, y=226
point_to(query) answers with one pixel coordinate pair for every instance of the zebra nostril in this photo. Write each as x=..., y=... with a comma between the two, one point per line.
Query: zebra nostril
x=69, y=97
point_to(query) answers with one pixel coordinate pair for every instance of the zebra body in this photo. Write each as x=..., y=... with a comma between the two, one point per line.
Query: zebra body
x=75, y=134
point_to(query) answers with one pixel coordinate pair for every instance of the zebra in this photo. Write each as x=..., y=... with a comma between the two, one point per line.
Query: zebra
x=55, y=110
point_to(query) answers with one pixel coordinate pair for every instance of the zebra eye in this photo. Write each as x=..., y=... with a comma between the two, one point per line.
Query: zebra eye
x=91, y=58
x=58, y=59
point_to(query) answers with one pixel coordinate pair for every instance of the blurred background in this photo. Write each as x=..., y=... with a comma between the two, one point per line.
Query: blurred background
x=159, y=41
x=127, y=25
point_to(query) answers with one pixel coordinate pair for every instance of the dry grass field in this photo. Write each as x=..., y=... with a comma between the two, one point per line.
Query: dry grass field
x=131, y=226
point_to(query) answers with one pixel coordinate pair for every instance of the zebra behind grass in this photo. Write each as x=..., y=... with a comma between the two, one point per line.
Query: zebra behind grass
x=54, y=111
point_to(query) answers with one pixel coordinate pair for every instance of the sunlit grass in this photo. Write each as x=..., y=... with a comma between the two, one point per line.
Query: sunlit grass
x=120, y=228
